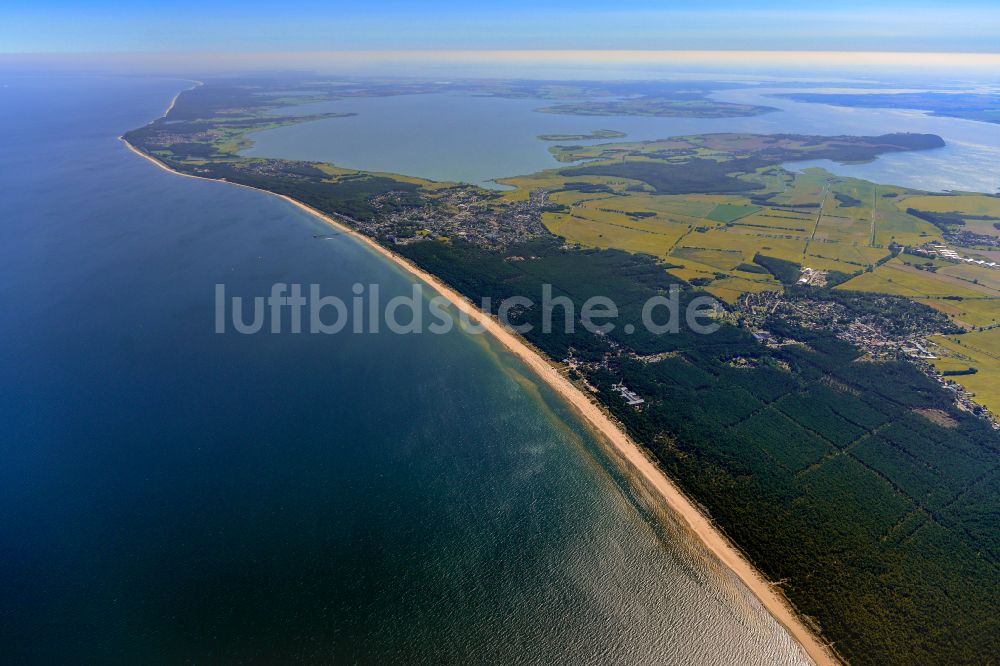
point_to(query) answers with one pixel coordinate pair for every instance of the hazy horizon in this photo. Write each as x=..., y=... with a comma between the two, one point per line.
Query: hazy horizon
x=113, y=25
x=927, y=67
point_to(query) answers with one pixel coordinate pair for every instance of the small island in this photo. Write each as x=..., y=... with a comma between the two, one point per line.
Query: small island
x=595, y=134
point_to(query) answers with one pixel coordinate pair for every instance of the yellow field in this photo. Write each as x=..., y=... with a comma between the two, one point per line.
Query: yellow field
x=849, y=253
x=806, y=188
x=600, y=234
x=962, y=204
x=822, y=263
x=970, y=312
x=984, y=227
x=835, y=227
x=814, y=218
x=690, y=271
x=778, y=222
x=731, y=288
x=894, y=277
x=969, y=204
x=746, y=243
x=689, y=209
x=723, y=260
x=980, y=350
x=986, y=277
x=608, y=211
x=547, y=180
x=892, y=224
x=861, y=190
x=568, y=198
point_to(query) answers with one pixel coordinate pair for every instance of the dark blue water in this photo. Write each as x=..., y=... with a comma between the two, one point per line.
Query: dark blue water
x=170, y=495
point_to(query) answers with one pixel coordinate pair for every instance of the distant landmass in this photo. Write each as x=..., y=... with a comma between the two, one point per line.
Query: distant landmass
x=971, y=106
x=596, y=134
x=684, y=106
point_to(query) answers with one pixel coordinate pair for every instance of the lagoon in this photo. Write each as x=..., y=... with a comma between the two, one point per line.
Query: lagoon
x=475, y=139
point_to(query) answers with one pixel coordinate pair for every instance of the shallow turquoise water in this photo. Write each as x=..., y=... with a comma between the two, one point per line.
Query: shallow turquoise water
x=171, y=495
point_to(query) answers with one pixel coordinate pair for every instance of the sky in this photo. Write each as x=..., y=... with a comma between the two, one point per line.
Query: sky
x=186, y=26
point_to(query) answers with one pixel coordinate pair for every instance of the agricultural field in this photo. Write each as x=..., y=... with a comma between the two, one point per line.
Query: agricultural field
x=971, y=220
x=968, y=312
x=979, y=350
x=728, y=213
x=729, y=289
x=592, y=231
x=778, y=222
x=976, y=275
x=893, y=225
x=897, y=278
x=708, y=207
x=708, y=204
x=965, y=204
x=850, y=256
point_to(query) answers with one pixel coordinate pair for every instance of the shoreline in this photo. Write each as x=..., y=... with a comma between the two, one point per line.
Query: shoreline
x=640, y=463
x=174, y=101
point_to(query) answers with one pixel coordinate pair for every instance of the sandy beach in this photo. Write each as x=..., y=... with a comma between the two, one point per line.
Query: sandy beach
x=642, y=466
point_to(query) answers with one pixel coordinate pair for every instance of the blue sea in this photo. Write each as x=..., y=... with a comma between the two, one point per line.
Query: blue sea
x=172, y=495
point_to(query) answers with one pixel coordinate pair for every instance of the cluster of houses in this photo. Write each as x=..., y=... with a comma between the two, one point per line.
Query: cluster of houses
x=813, y=276
x=458, y=213
x=631, y=397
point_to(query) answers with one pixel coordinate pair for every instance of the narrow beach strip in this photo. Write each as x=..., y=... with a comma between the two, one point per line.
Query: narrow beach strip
x=599, y=422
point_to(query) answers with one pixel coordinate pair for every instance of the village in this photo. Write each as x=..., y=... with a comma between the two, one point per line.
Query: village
x=459, y=213
x=882, y=333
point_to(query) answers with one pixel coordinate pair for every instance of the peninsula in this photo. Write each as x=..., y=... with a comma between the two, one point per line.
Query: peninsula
x=795, y=442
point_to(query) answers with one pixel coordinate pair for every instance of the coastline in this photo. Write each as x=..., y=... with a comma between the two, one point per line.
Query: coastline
x=601, y=423
x=174, y=100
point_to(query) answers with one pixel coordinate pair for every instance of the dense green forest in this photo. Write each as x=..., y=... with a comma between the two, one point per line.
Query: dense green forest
x=821, y=466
